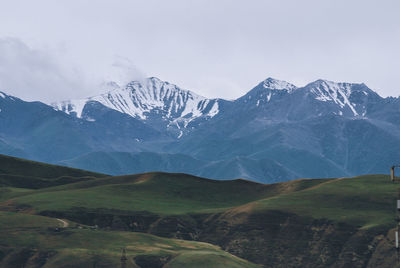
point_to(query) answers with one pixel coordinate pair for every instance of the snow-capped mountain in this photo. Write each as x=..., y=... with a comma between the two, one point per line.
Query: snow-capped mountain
x=347, y=99
x=148, y=99
x=280, y=100
x=277, y=131
x=171, y=107
x=266, y=91
x=274, y=84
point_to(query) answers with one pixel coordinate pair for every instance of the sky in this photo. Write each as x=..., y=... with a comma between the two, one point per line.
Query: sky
x=55, y=50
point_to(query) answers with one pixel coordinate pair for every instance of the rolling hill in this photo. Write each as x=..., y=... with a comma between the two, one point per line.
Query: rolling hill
x=20, y=173
x=337, y=222
x=36, y=241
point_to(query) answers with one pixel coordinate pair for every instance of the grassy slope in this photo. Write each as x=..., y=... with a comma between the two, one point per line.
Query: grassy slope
x=12, y=192
x=20, y=173
x=17, y=166
x=81, y=247
x=364, y=201
x=159, y=193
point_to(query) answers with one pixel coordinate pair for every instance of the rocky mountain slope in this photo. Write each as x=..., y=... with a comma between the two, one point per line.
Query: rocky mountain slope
x=275, y=132
x=165, y=104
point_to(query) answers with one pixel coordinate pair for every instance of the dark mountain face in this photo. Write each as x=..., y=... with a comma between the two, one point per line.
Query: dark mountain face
x=275, y=132
x=37, y=131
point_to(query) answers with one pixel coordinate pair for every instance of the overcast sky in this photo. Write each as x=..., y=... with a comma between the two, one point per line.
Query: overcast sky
x=53, y=50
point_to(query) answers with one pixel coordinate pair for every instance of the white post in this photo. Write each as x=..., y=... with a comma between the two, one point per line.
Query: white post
x=397, y=240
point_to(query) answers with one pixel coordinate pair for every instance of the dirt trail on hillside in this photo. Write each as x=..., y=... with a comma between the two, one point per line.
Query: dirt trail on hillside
x=64, y=223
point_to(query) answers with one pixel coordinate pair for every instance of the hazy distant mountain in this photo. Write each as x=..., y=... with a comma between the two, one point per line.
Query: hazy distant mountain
x=275, y=132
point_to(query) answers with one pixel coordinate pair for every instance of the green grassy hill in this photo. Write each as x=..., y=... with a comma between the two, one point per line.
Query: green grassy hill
x=160, y=193
x=364, y=201
x=36, y=241
x=344, y=222
x=21, y=173
x=17, y=166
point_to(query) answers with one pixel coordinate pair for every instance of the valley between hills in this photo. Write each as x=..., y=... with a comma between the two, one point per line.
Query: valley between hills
x=54, y=216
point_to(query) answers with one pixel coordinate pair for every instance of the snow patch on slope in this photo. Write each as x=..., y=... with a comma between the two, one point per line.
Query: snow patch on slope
x=338, y=93
x=70, y=107
x=214, y=110
x=272, y=83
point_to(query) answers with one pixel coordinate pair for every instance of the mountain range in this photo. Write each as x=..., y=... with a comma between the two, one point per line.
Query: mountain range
x=275, y=132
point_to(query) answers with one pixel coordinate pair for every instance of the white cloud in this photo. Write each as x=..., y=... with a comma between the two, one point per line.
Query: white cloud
x=47, y=75
x=216, y=48
x=35, y=74
x=123, y=71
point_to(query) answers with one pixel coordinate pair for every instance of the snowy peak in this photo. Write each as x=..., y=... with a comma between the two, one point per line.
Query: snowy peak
x=148, y=98
x=318, y=98
x=330, y=91
x=266, y=91
x=165, y=104
x=344, y=95
x=274, y=84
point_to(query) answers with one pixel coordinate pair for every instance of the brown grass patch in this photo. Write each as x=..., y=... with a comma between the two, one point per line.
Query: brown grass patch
x=144, y=178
